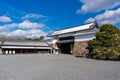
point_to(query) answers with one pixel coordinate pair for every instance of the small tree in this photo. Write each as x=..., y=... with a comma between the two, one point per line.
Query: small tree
x=107, y=43
x=36, y=39
x=41, y=38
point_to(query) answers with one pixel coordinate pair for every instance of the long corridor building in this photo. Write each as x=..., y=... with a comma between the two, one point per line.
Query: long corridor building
x=24, y=47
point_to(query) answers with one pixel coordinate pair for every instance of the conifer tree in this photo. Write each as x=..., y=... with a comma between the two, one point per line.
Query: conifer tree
x=106, y=45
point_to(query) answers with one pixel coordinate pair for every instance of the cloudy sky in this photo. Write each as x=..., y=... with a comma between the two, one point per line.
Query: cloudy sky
x=33, y=18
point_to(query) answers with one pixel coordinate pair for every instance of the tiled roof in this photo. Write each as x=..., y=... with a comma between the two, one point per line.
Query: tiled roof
x=74, y=29
x=23, y=47
x=15, y=43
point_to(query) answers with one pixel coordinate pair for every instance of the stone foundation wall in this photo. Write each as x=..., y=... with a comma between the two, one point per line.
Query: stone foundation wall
x=53, y=45
x=80, y=48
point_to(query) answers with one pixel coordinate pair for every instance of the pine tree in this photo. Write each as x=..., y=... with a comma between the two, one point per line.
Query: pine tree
x=107, y=43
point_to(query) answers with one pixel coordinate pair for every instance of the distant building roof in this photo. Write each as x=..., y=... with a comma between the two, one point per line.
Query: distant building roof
x=25, y=43
x=48, y=38
x=14, y=39
x=74, y=29
x=23, y=47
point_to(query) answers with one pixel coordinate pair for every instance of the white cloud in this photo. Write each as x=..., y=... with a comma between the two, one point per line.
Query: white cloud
x=97, y=5
x=24, y=25
x=36, y=16
x=89, y=20
x=8, y=26
x=33, y=33
x=15, y=30
x=27, y=24
x=5, y=19
x=109, y=16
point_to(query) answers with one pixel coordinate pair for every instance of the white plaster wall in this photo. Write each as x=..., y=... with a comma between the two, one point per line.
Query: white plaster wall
x=85, y=37
x=54, y=41
x=85, y=31
x=66, y=35
x=51, y=41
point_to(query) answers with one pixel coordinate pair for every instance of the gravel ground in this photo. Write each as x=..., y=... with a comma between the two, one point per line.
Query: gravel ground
x=56, y=67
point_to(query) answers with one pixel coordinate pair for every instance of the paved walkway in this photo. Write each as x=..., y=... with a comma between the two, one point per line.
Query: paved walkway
x=56, y=67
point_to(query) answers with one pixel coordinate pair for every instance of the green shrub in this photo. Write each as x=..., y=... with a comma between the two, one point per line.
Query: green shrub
x=107, y=43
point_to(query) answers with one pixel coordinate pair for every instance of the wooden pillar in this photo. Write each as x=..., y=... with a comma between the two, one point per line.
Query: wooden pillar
x=26, y=51
x=20, y=51
x=35, y=51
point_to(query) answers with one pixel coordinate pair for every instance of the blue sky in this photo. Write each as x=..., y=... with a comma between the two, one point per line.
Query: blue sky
x=33, y=18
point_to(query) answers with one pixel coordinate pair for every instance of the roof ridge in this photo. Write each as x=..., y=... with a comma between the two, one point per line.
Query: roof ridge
x=75, y=26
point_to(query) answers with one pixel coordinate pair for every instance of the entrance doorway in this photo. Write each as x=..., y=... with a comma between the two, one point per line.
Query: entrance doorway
x=66, y=48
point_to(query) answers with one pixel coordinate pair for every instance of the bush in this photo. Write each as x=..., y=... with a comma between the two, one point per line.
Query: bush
x=107, y=43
